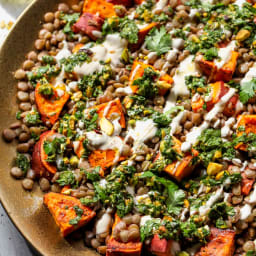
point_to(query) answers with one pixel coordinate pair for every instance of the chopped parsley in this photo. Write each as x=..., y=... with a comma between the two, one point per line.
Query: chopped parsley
x=93, y=85
x=22, y=162
x=194, y=82
x=74, y=60
x=66, y=178
x=47, y=72
x=33, y=118
x=79, y=212
x=146, y=83
x=53, y=148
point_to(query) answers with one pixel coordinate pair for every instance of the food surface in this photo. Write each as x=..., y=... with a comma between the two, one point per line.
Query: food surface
x=137, y=118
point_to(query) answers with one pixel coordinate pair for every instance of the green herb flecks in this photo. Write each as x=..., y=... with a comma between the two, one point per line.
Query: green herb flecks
x=79, y=213
x=22, y=162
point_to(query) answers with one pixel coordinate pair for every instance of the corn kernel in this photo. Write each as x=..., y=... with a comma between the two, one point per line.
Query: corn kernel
x=219, y=175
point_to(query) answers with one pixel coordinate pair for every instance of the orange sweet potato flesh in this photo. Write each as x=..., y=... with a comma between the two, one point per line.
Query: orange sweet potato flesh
x=39, y=163
x=222, y=242
x=114, y=107
x=184, y=167
x=246, y=185
x=116, y=248
x=62, y=209
x=103, y=158
x=197, y=105
x=102, y=7
x=161, y=247
x=139, y=1
x=225, y=73
x=50, y=108
x=249, y=123
x=219, y=89
x=138, y=71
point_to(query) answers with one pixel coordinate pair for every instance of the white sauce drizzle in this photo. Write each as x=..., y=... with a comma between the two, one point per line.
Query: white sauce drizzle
x=204, y=209
x=225, y=54
x=187, y=67
x=110, y=49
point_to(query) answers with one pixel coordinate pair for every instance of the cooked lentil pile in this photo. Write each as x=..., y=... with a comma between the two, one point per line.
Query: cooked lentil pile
x=138, y=118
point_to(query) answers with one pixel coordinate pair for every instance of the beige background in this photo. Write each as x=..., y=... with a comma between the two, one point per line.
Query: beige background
x=11, y=242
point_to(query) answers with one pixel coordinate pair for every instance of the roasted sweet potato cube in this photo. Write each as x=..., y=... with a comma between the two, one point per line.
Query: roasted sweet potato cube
x=162, y=247
x=89, y=23
x=101, y=7
x=222, y=242
x=51, y=107
x=113, y=106
x=64, y=211
x=103, y=158
x=224, y=73
x=116, y=248
x=39, y=163
x=246, y=185
x=182, y=168
x=219, y=89
x=138, y=71
x=246, y=124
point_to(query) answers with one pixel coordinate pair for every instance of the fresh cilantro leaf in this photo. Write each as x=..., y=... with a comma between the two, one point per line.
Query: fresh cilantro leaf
x=147, y=229
x=70, y=20
x=159, y=41
x=53, y=148
x=247, y=90
x=176, y=196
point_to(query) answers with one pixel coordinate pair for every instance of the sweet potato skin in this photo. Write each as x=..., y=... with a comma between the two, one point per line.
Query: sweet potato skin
x=88, y=23
x=116, y=248
x=222, y=242
x=61, y=208
x=185, y=167
x=102, y=7
x=39, y=164
x=126, y=3
x=138, y=71
x=50, y=108
x=161, y=247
